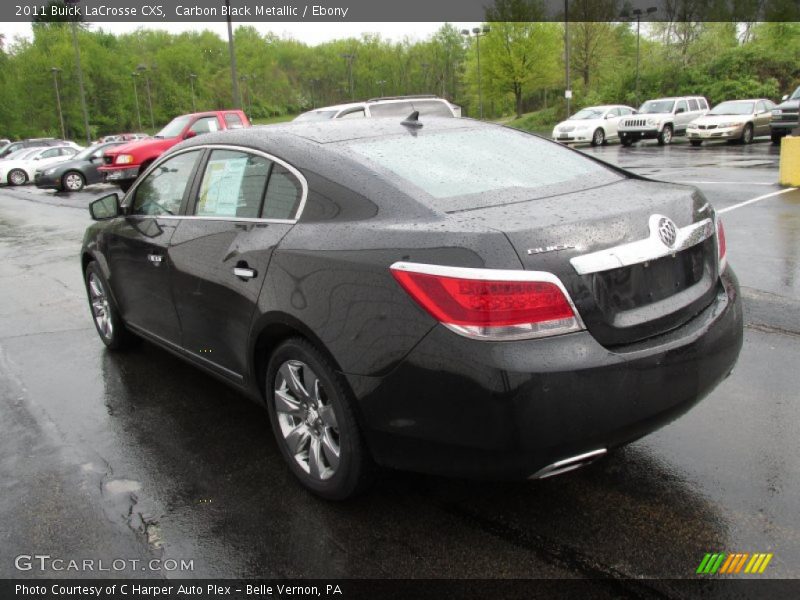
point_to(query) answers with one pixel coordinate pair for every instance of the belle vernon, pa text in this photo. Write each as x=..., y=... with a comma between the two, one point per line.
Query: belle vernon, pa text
x=180, y=590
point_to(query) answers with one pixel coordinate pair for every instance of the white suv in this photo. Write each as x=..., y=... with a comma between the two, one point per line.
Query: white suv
x=662, y=119
x=394, y=106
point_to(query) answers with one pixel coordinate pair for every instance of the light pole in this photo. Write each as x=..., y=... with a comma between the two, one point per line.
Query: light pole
x=381, y=83
x=192, y=77
x=568, y=89
x=245, y=93
x=56, y=71
x=314, y=83
x=143, y=69
x=478, y=32
x=425, y=67
x=134, y=75
x=349, y=58
x=638, y=12
x=237, y=101
x=75, y=45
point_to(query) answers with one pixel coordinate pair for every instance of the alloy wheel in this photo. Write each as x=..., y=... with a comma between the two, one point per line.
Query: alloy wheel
x=599, y=137
x=17, y=177
x=307, y=420
x=73, y=182
x=667, y=135
x=100, y=307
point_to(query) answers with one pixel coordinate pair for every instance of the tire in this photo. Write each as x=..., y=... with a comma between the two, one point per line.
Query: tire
x=105, y=314
x=776, y=138
x=696, y=143
x=747, y=134
x=598, y=137
x=627, y=142
x=17, y=177
x=72, y=181
x=311, y=411
x=665, y=137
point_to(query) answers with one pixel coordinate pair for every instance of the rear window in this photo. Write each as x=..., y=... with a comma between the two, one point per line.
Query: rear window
x=232, y=121
x=475, y=168
x=430, y=108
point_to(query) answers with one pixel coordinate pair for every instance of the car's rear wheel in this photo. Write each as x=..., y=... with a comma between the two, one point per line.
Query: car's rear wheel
x=696, y=143
x=665, y=137
x=72, y=182
x=599, y=137
x=747, y=134
x=312, y=418
x=107, y=320
x=17, y=177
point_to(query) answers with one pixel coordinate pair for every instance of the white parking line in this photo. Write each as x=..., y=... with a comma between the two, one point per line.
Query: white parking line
x=752, y=200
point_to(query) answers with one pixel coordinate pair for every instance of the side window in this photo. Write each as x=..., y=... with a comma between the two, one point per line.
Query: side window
x=66, y=151
x=284, y=192
x=693, y=105
x=703, y=104
x=162, y=190
x=232, y=121
x=50, y=153
x=353, y=114
x=761, y=106
x=205, y=125
x=233, y=185
x=680, y=105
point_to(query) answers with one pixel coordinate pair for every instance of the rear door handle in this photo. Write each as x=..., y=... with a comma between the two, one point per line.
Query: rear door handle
x=155, y=259
x=244, y=272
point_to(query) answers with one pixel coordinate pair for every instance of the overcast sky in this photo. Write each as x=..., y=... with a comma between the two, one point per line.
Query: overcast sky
x=310, y=33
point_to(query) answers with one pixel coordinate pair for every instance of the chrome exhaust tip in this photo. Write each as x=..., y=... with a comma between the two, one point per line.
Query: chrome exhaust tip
x=568, y=464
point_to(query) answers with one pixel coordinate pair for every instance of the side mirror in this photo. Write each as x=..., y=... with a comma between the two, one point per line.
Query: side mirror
x=189, y=134
x=96, y=159
x=609, y=116
x=105, y=208
x=680, y=110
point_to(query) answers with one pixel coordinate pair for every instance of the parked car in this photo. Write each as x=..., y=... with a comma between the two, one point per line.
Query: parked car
x=123, y=164
x=593, y=124
x=393, y=106
x=662, y=119
x=31, y=143
x=785, y=117
x=20, y=171
x=733, y=120
x=457, y=297
x=74, y=173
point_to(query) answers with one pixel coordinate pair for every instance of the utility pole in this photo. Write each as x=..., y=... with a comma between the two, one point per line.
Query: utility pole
x=143, y=69
x=568, y=90
x=638, y=12
x=349, y=58
x=56, y=71
x=192, y=77
x=134, y=75
x=237, y=99
x=381, y=83
x=80, y=82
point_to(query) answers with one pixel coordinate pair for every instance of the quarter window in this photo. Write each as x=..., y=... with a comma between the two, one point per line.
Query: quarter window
x=284, y=192
x=353, y=114
x=233, y=185
x=161, y=192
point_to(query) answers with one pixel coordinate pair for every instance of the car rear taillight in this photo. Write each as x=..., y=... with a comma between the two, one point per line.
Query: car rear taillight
x=722, y=249
x=490, y=303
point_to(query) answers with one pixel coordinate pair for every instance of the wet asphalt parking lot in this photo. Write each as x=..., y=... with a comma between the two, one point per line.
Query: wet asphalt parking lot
x=137, y=455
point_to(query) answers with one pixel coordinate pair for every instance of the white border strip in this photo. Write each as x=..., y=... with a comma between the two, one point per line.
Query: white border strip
x=752, y=200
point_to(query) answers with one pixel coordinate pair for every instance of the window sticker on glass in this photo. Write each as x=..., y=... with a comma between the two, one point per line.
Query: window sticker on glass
x=219, y=194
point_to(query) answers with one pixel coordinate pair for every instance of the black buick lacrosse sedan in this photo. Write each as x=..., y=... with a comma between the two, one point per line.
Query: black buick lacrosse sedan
x=445, y=296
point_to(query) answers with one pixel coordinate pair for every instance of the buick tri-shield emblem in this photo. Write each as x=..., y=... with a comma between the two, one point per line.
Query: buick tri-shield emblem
x=667, y=232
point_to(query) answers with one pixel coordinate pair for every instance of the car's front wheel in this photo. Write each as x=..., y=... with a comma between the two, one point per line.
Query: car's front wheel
x=313, y=421
x=17, y=177
x=599, y=137
x=106, y=316
x=747, y=134
x=696, y=143
x=626, y=141
x=665, y=137
x=72, y=182
x=776, y=138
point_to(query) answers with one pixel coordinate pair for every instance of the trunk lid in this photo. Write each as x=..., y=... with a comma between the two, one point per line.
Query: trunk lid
x=604, y=244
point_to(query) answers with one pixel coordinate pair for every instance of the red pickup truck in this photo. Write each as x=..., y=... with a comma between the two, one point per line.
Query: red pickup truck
x=124, y=163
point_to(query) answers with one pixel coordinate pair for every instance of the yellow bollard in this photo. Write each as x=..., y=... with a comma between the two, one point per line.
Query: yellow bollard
x=790, y=161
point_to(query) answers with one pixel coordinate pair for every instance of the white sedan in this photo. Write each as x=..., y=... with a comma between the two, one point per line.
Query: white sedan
x=20, y=169
x=594, y=124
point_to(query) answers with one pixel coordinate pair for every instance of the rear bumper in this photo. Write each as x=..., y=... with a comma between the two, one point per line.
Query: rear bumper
x=462, y=407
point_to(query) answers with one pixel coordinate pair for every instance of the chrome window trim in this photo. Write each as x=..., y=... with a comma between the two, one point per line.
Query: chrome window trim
x=571, y=325
x=644, y=250
x=303, y=184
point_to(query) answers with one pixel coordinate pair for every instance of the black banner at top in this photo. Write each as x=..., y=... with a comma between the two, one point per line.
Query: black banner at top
x=165, y=11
